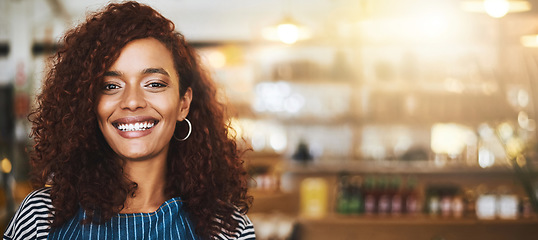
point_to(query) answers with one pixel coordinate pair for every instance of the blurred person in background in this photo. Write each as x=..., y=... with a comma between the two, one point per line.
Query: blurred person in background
x=130, y=141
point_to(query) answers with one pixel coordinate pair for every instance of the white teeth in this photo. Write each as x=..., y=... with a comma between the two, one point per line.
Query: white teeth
x=135, y=127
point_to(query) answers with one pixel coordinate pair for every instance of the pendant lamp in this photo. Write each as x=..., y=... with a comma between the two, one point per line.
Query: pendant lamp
x=496, y=8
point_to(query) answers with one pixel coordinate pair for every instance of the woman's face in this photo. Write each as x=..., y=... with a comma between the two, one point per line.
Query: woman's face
x=139, y=102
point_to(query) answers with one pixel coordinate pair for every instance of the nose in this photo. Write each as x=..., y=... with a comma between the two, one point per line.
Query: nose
x=133, y=98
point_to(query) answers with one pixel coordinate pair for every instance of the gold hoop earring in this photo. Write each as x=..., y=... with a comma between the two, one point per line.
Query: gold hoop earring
x=188, y=133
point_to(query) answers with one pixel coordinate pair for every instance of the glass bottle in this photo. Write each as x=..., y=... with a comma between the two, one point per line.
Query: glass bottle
x=343, y=195
x=434, y=204
x=397, y=197
x=355, y=196
x=411, y=205
x=458, y=204
x=384, y=199
x=369, y=196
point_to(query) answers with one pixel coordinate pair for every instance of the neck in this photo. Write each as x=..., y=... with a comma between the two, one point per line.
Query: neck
x=150, y=177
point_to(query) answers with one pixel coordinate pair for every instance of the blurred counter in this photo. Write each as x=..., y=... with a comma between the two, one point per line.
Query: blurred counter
x=337, y=227
x=451, y=202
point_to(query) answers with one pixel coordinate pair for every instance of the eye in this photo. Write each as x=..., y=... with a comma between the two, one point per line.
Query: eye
x=156, y=85
x=110, y=86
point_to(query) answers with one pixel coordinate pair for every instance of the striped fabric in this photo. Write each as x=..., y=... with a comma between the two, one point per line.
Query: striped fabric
x=170, y=221
x=32, y=219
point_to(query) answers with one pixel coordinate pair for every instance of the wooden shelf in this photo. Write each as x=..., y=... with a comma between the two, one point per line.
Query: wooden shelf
x=411, y=220
x=390, y=167
x=376, y=228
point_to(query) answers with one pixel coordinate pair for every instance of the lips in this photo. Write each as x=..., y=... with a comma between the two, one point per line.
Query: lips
x=134, y=127
x=131, y=124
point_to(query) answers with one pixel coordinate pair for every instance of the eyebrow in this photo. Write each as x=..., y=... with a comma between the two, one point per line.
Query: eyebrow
x=145, y=71
x=155, y=70
x=112, y=74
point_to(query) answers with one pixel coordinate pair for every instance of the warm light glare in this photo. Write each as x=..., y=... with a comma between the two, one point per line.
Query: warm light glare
x=523, y=119
x=514, y=147
x=531, y=125
x=6, y=165
x=505, y=131
x=288, y=33
x=449, y=138
x=216, y=59
x=496, y=8
x=278, y=140
x=486, y=132
x=485, y=158
x=529, y=40
x=522, y=98
x=521, y=160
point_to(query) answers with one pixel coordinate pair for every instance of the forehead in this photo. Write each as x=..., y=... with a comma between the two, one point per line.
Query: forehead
x=144, y=51
x=139, y=55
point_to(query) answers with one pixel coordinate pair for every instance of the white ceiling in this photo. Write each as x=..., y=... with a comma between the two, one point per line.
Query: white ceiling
x=242, y=20
x=199, y=20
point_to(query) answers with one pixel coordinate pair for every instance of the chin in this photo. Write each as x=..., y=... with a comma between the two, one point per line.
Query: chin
x=133, y=153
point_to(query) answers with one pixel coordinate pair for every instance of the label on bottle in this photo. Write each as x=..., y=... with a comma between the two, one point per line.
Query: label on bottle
x=369, y=204
x=446, y=206
x=396, y=206
x=457, y=207
x=486, y=207
x=434, y=205
x=411, y=205
x=384, y=204
x=508, y=206
x=314, y=198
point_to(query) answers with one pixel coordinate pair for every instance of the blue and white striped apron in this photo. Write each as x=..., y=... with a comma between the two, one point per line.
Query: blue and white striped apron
x=170, y=221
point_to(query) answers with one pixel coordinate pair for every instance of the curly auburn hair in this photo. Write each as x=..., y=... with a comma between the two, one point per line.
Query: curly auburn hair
x=72, y=156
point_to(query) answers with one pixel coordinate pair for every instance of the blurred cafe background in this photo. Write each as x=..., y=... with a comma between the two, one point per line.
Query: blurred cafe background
x=367, y=119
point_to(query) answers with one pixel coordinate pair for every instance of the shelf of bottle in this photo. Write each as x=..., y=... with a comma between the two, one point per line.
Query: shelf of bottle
x=352, y=118
x=270, y=194
x=412, y=228
x=389, y=167
x=411, y=220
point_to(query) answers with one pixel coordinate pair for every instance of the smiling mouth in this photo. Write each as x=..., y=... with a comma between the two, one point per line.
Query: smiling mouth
x=138, y=126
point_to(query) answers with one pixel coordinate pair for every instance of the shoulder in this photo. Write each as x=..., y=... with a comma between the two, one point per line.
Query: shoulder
x=244, y=230
x=32, y=219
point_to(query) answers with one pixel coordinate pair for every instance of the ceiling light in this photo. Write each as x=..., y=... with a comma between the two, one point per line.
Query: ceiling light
x=287, y=31
x=496, y=8
x=530, y=40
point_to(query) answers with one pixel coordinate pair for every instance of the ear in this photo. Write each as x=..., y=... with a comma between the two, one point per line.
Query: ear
x=184, y=105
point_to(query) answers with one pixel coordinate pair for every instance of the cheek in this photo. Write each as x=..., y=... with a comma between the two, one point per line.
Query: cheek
x=169, y=106
x=169, y=112
x=104, y=109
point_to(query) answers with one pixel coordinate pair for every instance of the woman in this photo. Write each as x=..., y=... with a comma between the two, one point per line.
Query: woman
x=130, y=140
